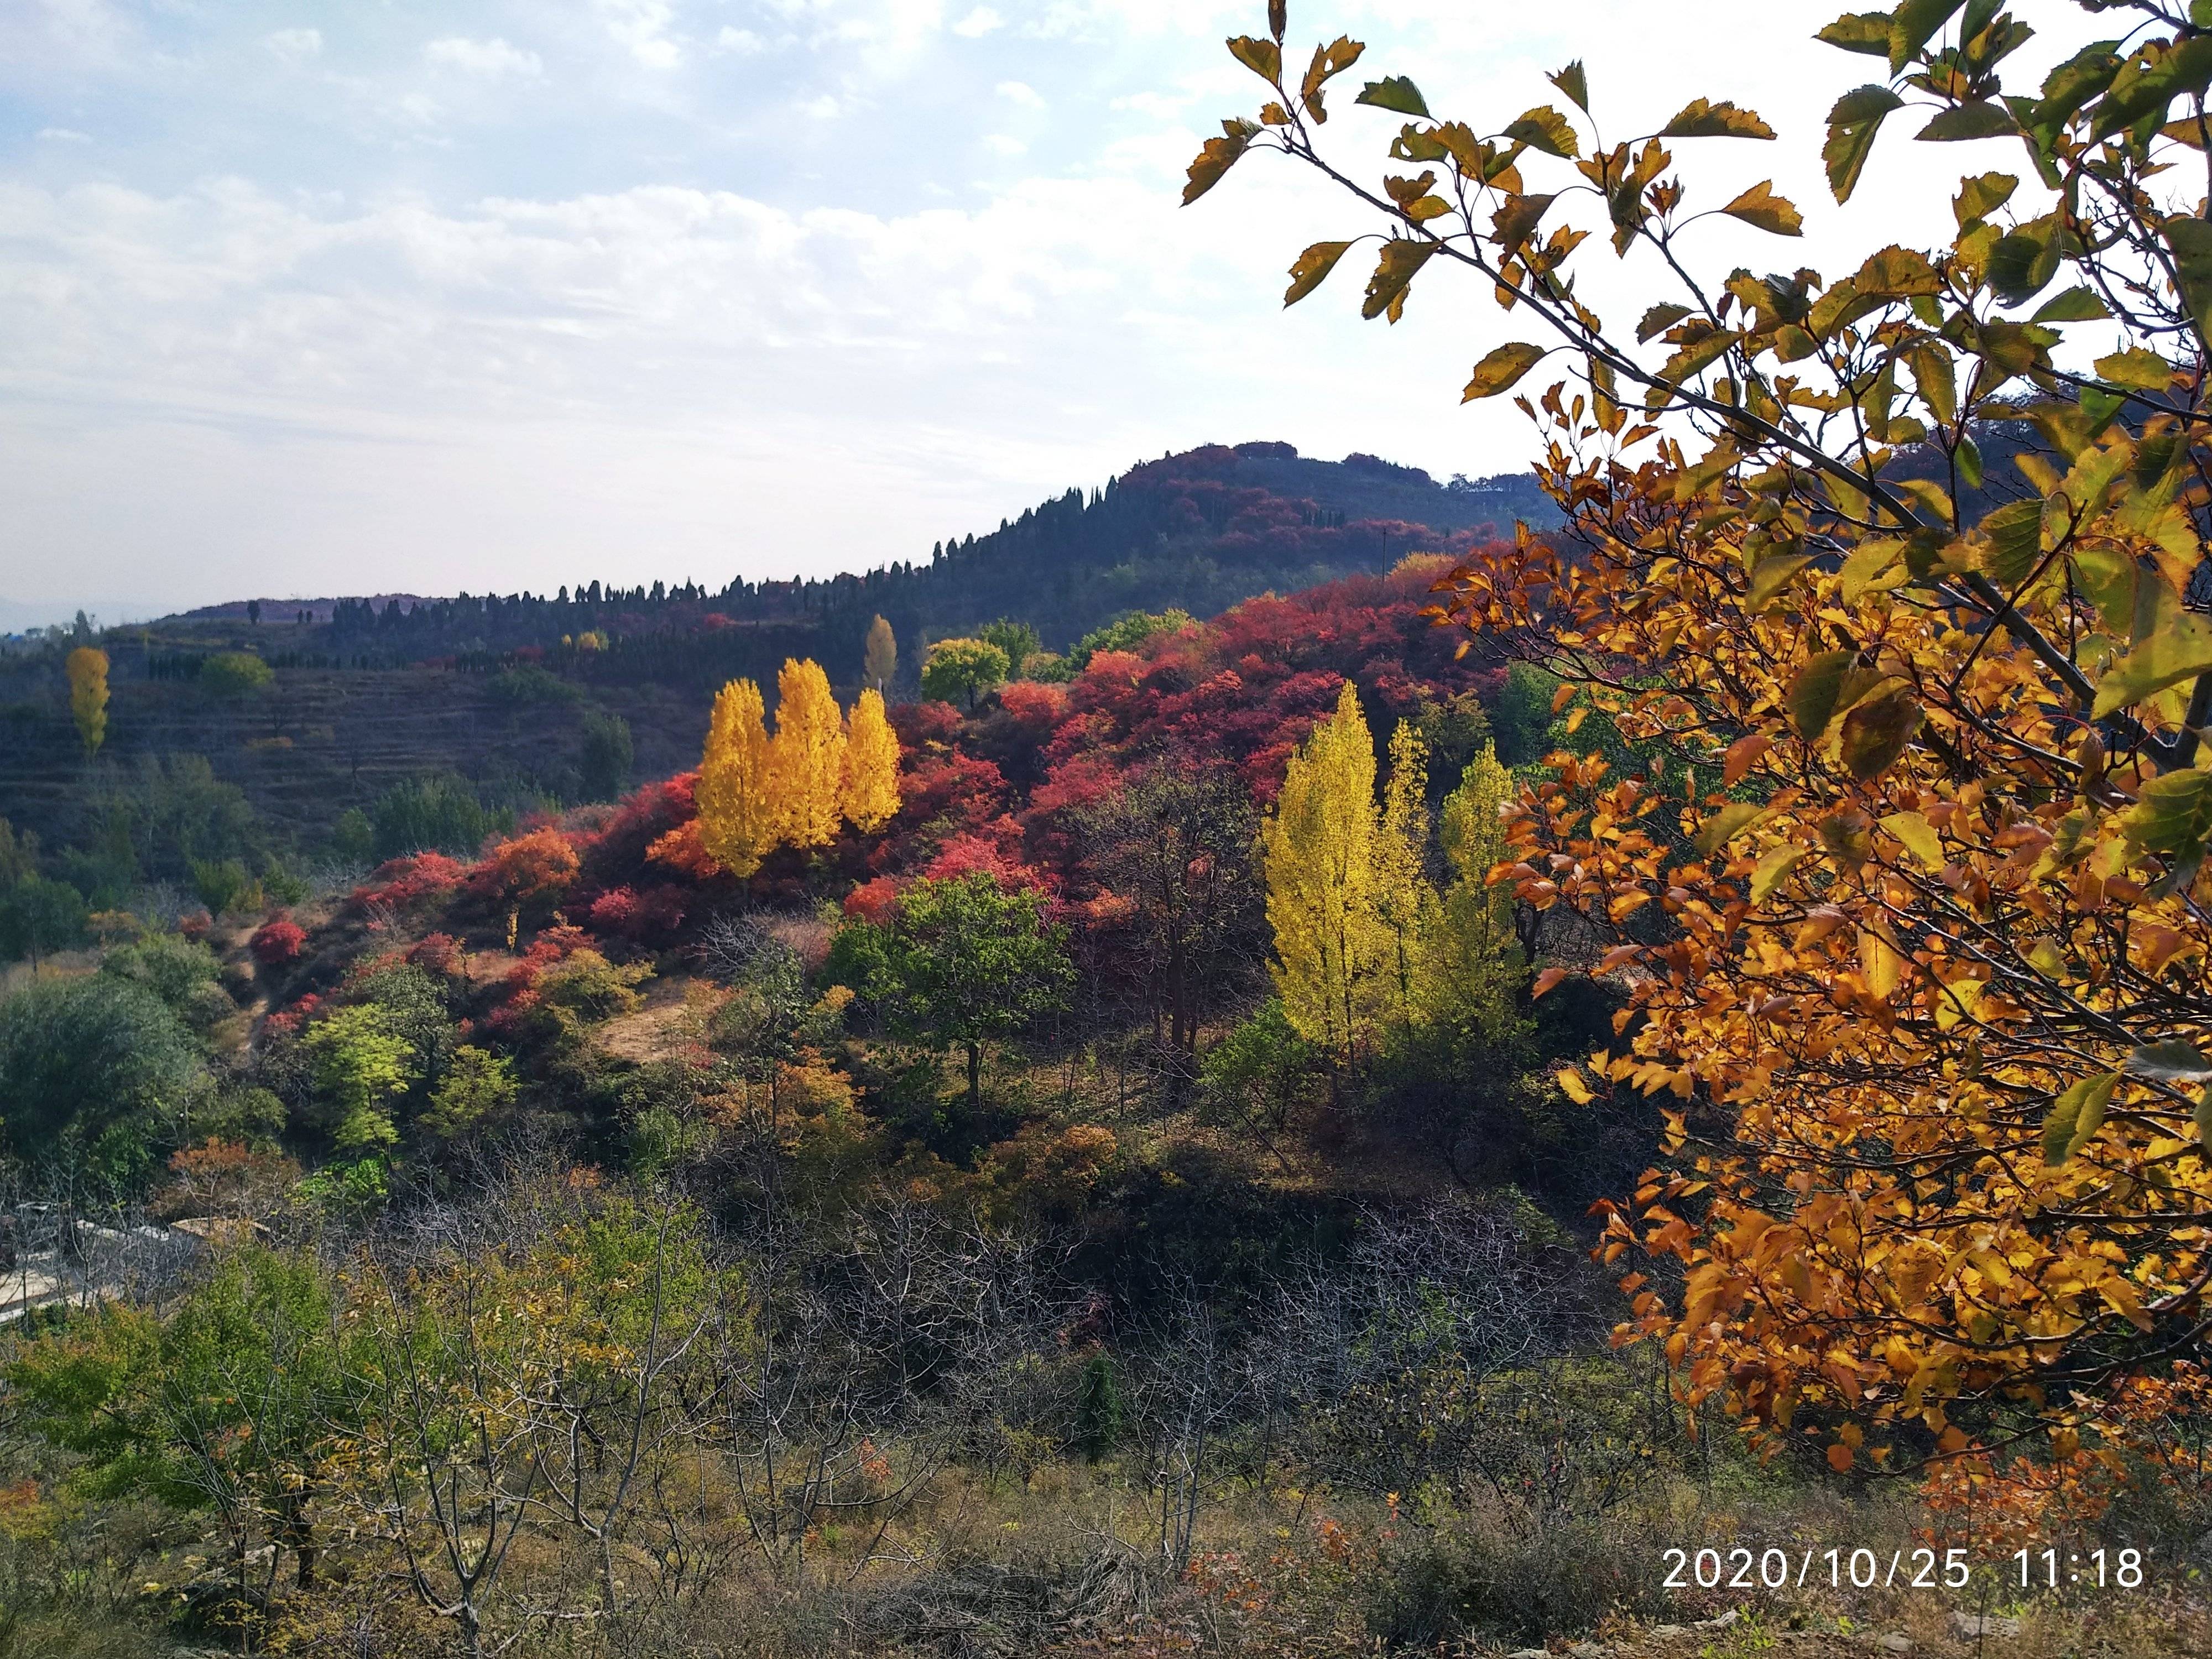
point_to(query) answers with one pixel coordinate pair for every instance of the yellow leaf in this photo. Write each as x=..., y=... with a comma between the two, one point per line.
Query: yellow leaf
x=1919, y=837
x=1771, y=870
x=1501, y=369
x=1572, y=1086
x=1760, y=206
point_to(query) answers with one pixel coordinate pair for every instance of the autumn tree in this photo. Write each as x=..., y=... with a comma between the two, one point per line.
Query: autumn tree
x=1907, y=555
x=1471, y=961
x=1405, y=898
x=361, y=1065
x=88, y=682
x=806, y=760
x=879, y=657
x=737, y=810
x=869, y=794
x=1318, y=858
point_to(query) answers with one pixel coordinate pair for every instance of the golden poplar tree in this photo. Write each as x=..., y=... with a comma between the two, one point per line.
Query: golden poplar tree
x=1318, y=853
x=870, y=792
x=88, y=681
x=1405, y=901
x=879, y=657
x=808, y=756
x=737, y=811
x=1473, y=960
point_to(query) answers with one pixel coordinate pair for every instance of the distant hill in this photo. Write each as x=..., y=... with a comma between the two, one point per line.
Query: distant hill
x=371, y=692
x=1199, y=530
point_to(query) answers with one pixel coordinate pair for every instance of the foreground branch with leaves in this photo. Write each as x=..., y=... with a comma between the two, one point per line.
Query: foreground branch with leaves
x=1915, y=567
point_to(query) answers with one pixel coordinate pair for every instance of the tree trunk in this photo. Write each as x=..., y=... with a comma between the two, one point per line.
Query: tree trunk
x=974, y=1078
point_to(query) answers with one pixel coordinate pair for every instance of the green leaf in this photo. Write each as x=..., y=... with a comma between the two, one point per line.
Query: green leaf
x=2191, y=242
x=1263, y=57
x=1725, y=825
x=1659, y=320
x=1211, y=163
x=1312, y=269
x=1969, y=457
x=1544, y=128
x=1978, y=120
x=1827, y=684
x=2180, y=650
x=2172, y=814
x=1702, y=119
x=2075, y=1117
x=2015, y=533
x=2143, y=369
x=2075, y=305
x=1500, y=370
x=1859, y=31
x=1918, y=836
x=1852, y=125
x=2076, y=81
x=1773, y=577
x=1935, y=380
x=1899, y=273
x=1760, y=206
x=1912, y=25
x=1400, y=257
x=1773, y=870
x=1395, y=92
x=1571, y=82
x=2185, y=69
x=2023, y=262
x=2174, y=1060
x=1981, y=196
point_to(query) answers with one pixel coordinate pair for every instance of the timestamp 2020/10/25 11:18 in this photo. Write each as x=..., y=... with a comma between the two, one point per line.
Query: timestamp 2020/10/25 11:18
x=1921, y=1568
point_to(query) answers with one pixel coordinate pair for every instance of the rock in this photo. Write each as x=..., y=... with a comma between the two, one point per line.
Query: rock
x=1897, y=1642
x=1665, y=1631
x=1722, y=1622
x=1971, y=1626
x=1587, y=1650
x=1529, y=1653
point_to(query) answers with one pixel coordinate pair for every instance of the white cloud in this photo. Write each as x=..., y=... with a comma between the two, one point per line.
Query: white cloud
x=492, y=58
x=1019, y=92
x=642, y=28
x=65, y=136
x=1004, y=144
x=743, y=41
x=980, y=21
x=295, y=46
x=823, y=108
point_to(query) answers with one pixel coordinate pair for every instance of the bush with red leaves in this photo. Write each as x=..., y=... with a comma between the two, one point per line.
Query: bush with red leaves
x=277, y=942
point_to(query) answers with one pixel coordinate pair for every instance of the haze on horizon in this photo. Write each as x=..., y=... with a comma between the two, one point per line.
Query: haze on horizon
x=501, y=294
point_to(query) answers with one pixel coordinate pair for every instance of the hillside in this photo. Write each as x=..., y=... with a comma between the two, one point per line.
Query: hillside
x=371, y=692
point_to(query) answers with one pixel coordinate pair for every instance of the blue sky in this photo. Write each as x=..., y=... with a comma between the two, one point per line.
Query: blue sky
x=497, y=293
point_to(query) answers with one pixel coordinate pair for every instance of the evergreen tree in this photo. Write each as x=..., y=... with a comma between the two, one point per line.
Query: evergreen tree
x=736, y=814
x=807, y=760
x=1318, y=851
x=871, y=791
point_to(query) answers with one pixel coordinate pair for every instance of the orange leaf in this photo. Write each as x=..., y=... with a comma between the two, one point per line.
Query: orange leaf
x=1742, y=755
x=1546, y=980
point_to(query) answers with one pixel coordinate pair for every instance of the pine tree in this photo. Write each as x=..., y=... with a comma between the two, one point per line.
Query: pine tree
x=870, y=792
x=736, y=817
x=879, y=659
x=807, y=759
x=1473, y=960
x=1318, y=851
x=88, y=681
x=1405, y=901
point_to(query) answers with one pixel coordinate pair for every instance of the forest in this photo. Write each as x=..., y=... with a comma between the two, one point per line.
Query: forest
x=1637, y=1087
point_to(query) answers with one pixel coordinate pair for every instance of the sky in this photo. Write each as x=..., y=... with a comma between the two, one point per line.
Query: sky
x=451, y=296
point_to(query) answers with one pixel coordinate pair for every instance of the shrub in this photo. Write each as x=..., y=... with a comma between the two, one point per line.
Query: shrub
x=527, y=683
x=276, y=943
x=235, y=674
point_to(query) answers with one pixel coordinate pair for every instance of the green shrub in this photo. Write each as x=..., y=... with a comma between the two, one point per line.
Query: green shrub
x=526, y=683
x=235, y=674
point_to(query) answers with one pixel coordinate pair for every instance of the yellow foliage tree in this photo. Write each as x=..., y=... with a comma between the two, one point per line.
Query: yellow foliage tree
x=737, y=811
x=807, y=759
x=871, y=787
x=879, y=657
x=1405, y=902
x=88, y=681
x=1318, y=854
x=1472, y=961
